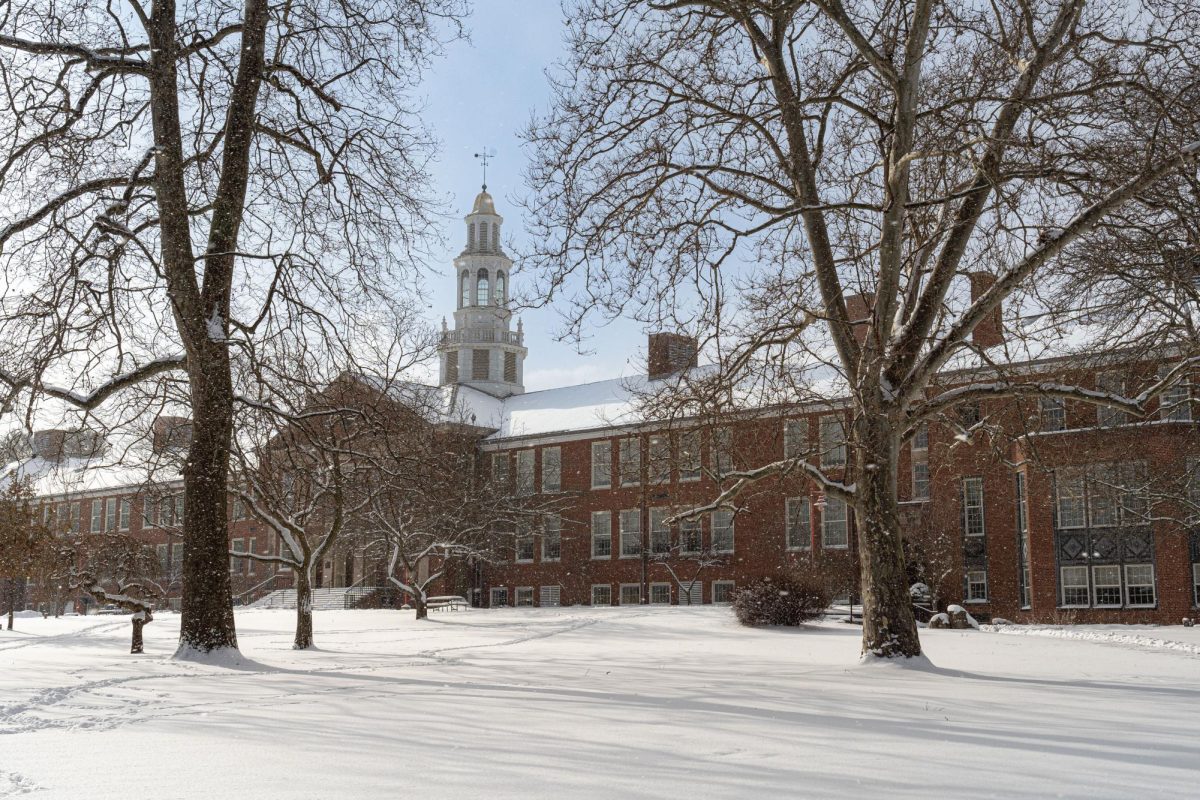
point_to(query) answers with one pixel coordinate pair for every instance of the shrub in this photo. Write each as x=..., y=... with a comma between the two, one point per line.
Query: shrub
x=780, y=601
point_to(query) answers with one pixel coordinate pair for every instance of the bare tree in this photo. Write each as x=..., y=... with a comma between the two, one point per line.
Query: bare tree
x=118, y=570
x=182, y=182
x=838, y=194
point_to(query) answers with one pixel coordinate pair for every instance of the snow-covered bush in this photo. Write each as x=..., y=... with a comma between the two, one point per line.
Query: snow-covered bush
x=781, y=601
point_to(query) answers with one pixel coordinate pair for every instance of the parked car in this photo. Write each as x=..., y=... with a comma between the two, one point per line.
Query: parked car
x=111, y=609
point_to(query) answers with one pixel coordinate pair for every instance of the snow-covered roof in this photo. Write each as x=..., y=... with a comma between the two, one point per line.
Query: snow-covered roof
x=72, y=476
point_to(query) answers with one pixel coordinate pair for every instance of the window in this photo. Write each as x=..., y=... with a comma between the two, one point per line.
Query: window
x=631, y=461
x=164, y=558
x=1139, y=584
x=1106, y=585
x=1174, y=403
x=977, y=586
x=524, y=542
x=1074, y=586
x=835, y=532
x=689, y=456
x=97, y=516
x=451, y=367
x=601, y=465
x=601, y=534
x=483, y=236
x=482, y=290
x=919, y=456
x=500, y=286
x=236, y=564
x=1110, y=383
x=1102, y=496
x=480, y=365
x=1196, y=584
x=110, y=514
x=631, y=594
x=465, y=297
x=524, y=596
x=660, y=594
x=498, y=597
x=551, y=469
x=691, y=593
x=722, y=531
x=75, y=517
x=799, y=523
x=601, y=594
x=550, y=596
x=631, y=533
x=1023, y=541
x=1052, y=414
x=1068, y=485
x=691, y=536
x=972, y=506
x=722, y=451
x=969, y=414
x=660, y=459
x=660, y=531
x=722, y=592
x=525, y=475
x=500, y=470
x=552, y=538
x=176, y=557
x=833, y=441
x=510, y=367
x=795, y=432
x=1193, y=489
x=279, y=551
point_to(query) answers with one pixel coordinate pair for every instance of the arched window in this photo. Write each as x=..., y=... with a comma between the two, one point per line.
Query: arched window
x=483, y=235
x=481, y=288
x=500, y=287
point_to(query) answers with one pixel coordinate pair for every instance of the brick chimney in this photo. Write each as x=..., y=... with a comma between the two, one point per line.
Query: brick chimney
x=48, y=444
x=171, y=433
x=859, y=308
x=671, y=353
x=990, y=330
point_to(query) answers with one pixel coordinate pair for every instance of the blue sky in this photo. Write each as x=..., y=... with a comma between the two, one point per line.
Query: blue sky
x=482, y=94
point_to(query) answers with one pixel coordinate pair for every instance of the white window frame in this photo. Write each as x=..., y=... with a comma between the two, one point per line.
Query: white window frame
x=602, y=465
x=1196, y=584
x=629, y=527
x=1174, y=404
x=523, y=538
x=1070, y=494
x=686, y=528
x=977, y=586
x=126, y=511
x=601, y=531
x=658, y=454
x=551, y=533
x=690, y=460
x=110, y=514
x=1085, y=587
x=920, y=476
x=658, y=588
x=500, y=470
x=526, y=472
x=522, y=594
x=1052, y=414
x=237, y=563
x=833, y=440
x=498, y=593
x=728, y=586
x=1110, y=574
x=621, y=596
x=606, y=587
x=1110, y=383
x=974, y=517
x=629, y=451
x=798, y=523
x=660, y=531
x=97, y=523
x=1130, y=585
x=832, y=523
x=722, y=520
x=722, y=451
x=795, y=437
x=551, y=470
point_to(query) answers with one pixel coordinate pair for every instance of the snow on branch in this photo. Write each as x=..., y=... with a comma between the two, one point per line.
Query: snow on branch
x=89, y=401
x=743, y=479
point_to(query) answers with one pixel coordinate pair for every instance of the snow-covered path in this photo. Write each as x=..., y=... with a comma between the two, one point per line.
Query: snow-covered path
x=608, y=703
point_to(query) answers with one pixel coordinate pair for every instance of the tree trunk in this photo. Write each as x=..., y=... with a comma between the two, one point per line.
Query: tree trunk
x=10, y=617
x=304, y=626
x=889, y=626
x=420, y=604
x=206, y=621
x=139, y=622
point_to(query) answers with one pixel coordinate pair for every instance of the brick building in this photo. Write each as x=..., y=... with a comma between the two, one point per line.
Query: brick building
x=1054, y=510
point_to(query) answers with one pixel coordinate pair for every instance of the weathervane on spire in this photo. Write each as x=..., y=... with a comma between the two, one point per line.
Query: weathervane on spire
x=485, y=155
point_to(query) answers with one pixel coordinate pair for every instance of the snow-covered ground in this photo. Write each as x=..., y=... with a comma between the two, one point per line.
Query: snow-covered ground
x=655, y=702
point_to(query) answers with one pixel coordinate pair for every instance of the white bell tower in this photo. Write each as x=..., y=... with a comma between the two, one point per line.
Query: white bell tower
x=481, y=351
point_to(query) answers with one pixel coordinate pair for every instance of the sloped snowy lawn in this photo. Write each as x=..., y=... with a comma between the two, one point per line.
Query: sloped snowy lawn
x=658, y=702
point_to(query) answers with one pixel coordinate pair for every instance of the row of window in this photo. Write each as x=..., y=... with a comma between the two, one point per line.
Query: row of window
x=1174, y=404
x=112, y=514
x=483, y=294
x=1107, y=586
x=628, y=594
x=1101, y=495
x=690, y=539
